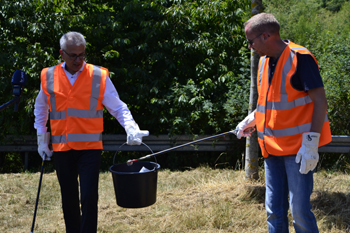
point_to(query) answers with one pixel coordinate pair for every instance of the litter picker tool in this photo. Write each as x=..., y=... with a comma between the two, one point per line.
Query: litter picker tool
x=130, y=162
x=37, y=197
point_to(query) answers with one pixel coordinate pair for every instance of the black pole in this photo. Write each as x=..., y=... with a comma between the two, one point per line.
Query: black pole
x=183, y=145
x=37, y=197
x=15, y=101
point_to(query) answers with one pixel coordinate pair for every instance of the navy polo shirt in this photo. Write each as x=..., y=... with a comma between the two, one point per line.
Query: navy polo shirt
x=307, y=75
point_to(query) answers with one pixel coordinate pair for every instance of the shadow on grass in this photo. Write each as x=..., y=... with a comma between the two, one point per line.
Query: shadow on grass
x=333, y=208
x=254, y=193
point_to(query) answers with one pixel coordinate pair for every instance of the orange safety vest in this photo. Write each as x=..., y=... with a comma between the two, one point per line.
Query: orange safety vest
x=283, y=113
x=76, y=112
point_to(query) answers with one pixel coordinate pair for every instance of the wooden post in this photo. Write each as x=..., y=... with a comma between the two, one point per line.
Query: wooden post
x=252, y=146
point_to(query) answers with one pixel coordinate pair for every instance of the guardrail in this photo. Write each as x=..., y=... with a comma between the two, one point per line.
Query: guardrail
x=114, y=142
x=339, y=144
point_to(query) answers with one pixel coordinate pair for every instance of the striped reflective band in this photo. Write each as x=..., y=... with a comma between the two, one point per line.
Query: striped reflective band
x=77, y=137
x=95, y=90
x=262, y=64
x=288, y=131
x=286, y=68
x=284, y=105
x=50, y=86
x=300, y=49
x=73, y=112
x=59, y=139
x=82, y=137
x=260, y=108
x=57, y=115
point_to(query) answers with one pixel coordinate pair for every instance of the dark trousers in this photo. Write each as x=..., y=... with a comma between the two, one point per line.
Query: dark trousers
x=84, y=164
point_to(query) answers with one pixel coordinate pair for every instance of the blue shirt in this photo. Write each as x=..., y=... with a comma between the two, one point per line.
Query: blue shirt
x=307, y=75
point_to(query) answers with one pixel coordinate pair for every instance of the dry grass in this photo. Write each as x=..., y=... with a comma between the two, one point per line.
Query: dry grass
x=200, y=200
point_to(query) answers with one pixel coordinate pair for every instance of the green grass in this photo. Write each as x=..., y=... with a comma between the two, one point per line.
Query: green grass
x=199, y=200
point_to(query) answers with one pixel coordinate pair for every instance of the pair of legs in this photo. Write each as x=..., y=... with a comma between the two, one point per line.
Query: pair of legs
x=84, y=164
x=283, y=179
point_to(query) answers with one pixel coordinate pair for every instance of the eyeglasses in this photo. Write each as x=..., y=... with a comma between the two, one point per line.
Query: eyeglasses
x=74, y=57
x=251, y=42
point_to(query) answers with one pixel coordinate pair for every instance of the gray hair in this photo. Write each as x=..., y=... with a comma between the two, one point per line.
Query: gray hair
x=263, y=22
x=72, y=38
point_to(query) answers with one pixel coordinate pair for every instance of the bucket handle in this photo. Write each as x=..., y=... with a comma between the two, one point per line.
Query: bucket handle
x=142, y=144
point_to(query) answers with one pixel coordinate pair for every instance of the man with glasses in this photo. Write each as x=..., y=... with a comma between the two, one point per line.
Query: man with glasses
x=291, y=120
x=74, y=93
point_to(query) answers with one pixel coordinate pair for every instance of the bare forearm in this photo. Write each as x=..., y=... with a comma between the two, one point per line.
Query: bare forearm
x=320, y=108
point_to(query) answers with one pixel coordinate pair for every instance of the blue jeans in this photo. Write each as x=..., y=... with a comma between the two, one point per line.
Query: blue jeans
x=283, y=178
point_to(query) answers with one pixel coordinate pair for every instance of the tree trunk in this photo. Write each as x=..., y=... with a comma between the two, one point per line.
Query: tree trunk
x=252, y=146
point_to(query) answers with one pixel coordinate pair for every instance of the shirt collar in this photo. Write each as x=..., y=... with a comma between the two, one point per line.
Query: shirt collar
x=63, y=65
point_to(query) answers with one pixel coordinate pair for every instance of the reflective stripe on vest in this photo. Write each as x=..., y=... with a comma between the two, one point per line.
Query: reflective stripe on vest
x=287, y=132
x=293, y=128
x=69, y=140
x=77, y=138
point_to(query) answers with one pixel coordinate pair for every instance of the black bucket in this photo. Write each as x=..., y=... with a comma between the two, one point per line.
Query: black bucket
x=135, y=189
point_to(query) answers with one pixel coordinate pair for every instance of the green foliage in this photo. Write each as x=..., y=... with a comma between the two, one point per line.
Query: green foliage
x=335, y=69
x=30, y=32
x=208, y=37
x=332, y=5
x=182, y=66
x=298, y=19
x=175, y=68
x=11, y=162
x=179, y=65
x=175, y=63
x=334, y=162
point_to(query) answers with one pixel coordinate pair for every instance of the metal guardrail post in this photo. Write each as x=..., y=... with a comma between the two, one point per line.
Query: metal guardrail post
x=26, y=159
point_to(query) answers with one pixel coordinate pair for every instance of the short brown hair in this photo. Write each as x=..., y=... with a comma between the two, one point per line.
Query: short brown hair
x=263, y=22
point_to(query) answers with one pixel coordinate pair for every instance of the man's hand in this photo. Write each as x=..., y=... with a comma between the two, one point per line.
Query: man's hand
x=43, y=145
x=134, y=134
x=308, y=153
x=248, y=122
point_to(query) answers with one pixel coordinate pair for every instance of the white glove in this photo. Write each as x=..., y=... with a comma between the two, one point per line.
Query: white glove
x=248, y=122
x=134, y=134
x=43, y=145
x=308, y=152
